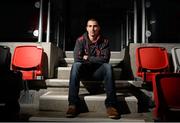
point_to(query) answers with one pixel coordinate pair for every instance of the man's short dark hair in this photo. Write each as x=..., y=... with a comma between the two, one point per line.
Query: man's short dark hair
x=93, y=19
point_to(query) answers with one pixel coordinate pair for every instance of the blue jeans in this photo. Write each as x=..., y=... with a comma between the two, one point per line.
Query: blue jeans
x=92, y=71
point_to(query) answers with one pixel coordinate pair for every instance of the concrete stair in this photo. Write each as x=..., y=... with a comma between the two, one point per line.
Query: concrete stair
x=70, y=61
x=90, y=103
x=114, y=54
x=65, y=83
x=89, y=117
x=64, y=73
x=55, y=99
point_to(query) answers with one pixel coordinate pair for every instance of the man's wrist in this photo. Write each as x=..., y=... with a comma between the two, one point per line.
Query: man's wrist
x=85, y=57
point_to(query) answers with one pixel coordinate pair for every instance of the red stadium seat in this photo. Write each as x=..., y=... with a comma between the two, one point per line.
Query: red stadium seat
x=28, y=60
x=166, y=94
x=151, y=60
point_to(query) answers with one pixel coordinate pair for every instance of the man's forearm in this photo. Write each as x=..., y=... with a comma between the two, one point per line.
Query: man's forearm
x=94, y=59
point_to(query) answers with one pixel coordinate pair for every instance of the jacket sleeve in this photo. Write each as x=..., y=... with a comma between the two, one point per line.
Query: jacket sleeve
x=78, y=51
x=104, y=54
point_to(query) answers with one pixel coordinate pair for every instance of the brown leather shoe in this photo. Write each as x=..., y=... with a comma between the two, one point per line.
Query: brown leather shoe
x=112, y=113
x=72, y=111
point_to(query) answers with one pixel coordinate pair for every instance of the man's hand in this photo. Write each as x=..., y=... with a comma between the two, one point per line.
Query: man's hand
x=85, y=57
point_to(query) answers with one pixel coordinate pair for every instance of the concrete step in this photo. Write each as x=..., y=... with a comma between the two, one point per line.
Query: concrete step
x=64, y=83
x=89, y=117
x=58, y=83
x=65, y=89
x=114, y=54
x=69, y=61
x=91, y=87
x=56, y=101
x=64, y=73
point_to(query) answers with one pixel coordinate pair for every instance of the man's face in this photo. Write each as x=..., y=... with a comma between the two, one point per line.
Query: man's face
x=93, y=28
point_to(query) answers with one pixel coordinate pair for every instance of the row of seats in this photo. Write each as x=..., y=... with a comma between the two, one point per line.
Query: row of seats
x=153, y=67
x=25, y=66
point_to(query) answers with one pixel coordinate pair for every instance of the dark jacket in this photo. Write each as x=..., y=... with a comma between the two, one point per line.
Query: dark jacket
x=98, y=52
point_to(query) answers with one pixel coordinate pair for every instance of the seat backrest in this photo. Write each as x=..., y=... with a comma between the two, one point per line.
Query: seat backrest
x=176, y=59
x=166, y=90
x=28, y=59
x=5, y=58
x=151, y=59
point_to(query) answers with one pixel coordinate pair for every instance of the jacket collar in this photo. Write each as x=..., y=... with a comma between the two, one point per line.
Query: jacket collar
x=85, y=35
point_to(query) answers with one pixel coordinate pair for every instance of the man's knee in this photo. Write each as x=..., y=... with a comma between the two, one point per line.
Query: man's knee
x=107, y=66
x=76, y=65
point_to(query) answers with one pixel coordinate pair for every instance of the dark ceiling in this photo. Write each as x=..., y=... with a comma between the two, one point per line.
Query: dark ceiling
x=122, y=4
